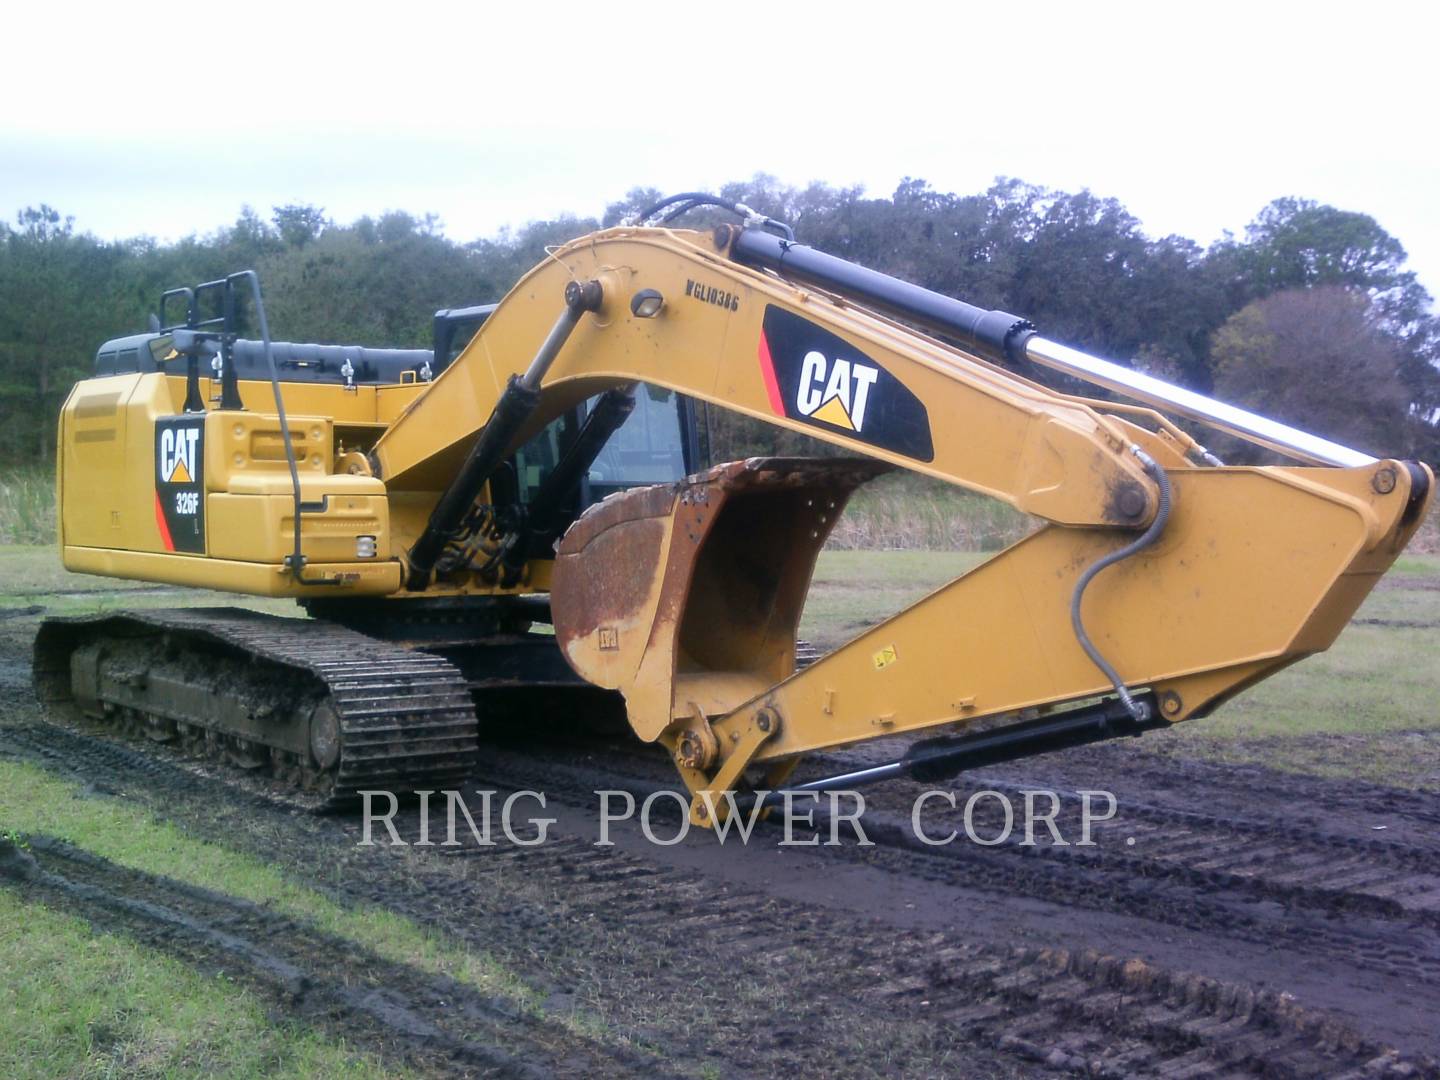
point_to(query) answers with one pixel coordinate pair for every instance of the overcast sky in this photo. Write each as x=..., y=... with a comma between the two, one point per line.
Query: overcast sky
x=141, y=121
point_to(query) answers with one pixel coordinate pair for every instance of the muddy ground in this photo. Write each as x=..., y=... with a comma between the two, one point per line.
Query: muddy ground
x=1227, y=921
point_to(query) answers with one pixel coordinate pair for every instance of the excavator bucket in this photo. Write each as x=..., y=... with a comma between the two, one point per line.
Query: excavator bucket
x=687, y=596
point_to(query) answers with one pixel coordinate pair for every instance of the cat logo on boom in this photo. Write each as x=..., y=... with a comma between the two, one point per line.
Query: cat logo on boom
x=818, y=377
x=835, y=391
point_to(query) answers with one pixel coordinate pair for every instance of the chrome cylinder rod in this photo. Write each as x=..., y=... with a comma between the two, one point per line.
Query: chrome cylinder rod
x=1176, y=399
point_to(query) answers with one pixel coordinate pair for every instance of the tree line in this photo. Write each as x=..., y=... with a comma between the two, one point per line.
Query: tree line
x=1311, y=317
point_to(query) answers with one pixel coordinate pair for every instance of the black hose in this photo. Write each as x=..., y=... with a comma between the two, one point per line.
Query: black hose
x=695, y=198
x=1140, y=543
x=679, y=211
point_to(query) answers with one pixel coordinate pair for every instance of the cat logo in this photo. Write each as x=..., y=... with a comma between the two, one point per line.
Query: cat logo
x=180, y=483
x=826, y=382
x=177, y=454
x=835, y=391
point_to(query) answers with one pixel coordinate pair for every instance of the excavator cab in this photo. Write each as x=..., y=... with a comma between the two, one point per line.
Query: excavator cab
x=453, y=329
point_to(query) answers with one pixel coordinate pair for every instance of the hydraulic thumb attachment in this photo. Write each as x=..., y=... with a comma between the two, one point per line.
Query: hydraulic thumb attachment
x=512, y=410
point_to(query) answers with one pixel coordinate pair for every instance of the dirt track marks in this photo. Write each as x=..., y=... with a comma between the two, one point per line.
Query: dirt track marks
x=705, y=974
x=426, y=1020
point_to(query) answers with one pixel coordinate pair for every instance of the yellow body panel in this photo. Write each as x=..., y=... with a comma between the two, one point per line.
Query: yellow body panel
x=110, y=520
x=255, y=522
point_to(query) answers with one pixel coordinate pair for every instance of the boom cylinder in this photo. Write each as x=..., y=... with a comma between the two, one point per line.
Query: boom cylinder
x=1002, y=336
x=1229, y=418
x=512, y=410
x=610, y=412
x=993, y=333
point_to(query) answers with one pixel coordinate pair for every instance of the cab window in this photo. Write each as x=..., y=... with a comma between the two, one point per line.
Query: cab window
x=649, y=448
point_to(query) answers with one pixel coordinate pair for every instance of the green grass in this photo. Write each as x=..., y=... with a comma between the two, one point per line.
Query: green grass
x=80, y=1004
x=852, y=590
x=900, y=512
x=27, y=505
x=32, y=801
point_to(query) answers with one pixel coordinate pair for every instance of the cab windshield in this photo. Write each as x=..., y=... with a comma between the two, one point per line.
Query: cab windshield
x=649, y=448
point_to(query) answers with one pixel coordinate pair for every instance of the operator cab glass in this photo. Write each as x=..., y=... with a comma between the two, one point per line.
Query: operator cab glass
x=453, y=329
x=655, y=445
x=648, y=449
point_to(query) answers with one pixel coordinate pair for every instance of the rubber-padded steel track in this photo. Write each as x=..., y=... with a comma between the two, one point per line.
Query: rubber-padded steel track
x=406, y=719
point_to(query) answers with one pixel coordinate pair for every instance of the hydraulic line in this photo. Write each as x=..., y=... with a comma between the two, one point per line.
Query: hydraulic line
x=1136, y=709
x=537, y=529
x=693, y=200
x=933, y=760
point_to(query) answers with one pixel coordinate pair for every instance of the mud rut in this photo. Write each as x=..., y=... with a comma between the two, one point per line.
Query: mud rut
x=1279, y=937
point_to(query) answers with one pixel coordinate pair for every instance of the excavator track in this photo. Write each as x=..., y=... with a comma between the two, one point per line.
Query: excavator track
x=326, y=711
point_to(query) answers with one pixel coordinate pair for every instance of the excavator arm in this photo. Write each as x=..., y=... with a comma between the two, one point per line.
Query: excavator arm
x=1160, y=585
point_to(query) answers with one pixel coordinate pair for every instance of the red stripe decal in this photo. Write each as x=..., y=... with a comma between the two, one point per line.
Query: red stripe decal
x=767, y=370
x=164, y=528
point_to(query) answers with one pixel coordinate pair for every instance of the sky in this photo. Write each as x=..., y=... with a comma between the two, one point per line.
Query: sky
x=165, y=120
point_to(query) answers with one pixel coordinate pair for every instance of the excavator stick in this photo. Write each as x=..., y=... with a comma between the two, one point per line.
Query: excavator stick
x=686, y=598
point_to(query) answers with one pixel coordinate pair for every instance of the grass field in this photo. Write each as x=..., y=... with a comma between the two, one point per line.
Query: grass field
x=82, y=1004
x=75, y=1003
x=27, y=506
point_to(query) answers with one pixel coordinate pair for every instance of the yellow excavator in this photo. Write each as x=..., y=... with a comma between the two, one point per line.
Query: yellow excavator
x=524, y=508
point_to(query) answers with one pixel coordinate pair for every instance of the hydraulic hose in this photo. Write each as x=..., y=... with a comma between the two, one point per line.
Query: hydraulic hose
x=1136, y=709
x=693, y=200
x=512, y=410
